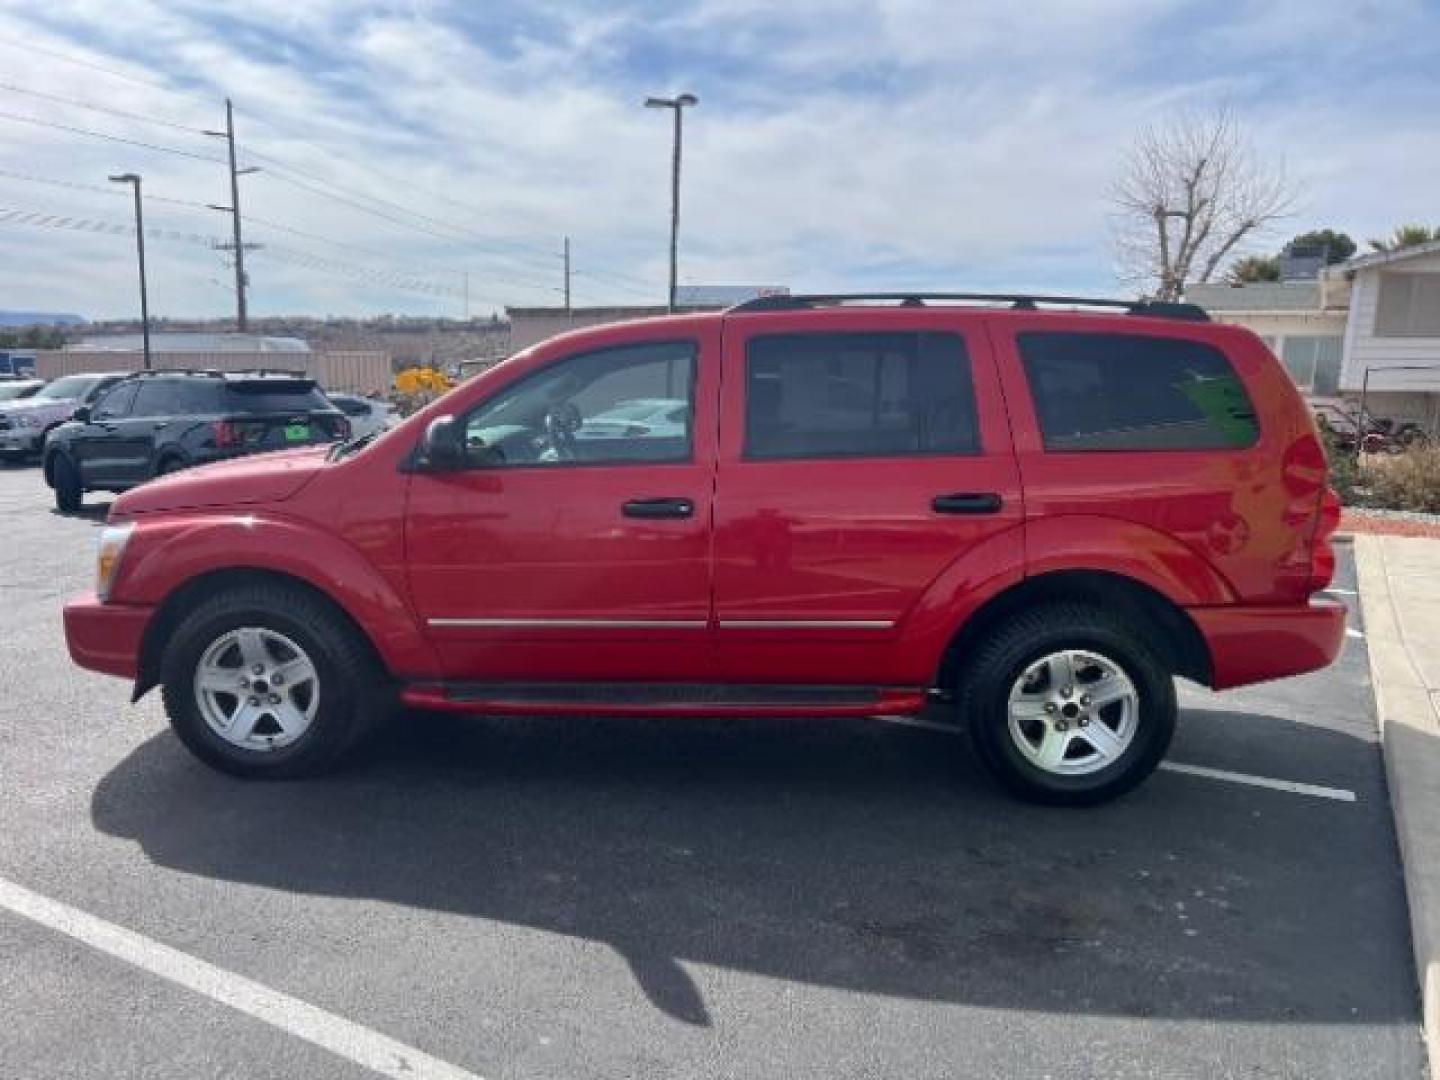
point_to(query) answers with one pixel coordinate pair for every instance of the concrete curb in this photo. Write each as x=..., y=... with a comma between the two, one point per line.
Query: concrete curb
x=1410, y=735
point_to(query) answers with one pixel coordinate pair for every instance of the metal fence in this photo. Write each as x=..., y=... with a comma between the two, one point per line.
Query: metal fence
x=352, y=372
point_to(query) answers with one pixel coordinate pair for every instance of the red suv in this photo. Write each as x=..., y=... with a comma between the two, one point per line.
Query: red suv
x=801, y=506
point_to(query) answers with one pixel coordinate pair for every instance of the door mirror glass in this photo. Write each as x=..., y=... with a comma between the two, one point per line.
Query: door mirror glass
x=443, y=447
x=82, y=414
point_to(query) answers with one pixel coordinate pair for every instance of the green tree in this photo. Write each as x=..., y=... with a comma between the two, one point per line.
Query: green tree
x=1406, y=236
x=1341, y=247
x=1253, y=268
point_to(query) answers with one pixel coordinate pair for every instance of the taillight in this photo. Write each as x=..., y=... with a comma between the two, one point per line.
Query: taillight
x=1322, y=554
x=225, y=434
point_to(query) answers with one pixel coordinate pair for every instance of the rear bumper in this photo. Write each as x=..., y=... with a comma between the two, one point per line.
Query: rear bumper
x=1253, y=644
x=105, y=637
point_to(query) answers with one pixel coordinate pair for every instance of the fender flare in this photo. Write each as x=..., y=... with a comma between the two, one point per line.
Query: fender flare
x=1044, y=546
x=171, y=554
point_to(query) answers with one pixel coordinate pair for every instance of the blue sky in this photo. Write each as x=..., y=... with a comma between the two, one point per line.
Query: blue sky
x=837, y=144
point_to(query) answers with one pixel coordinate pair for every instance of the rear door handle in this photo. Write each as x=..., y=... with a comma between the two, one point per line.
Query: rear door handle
x=658, y=508
x=967, y=502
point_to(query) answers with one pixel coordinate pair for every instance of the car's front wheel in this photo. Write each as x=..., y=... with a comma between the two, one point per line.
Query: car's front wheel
x=1068, y=704
x=65, y=479
x=271, y=681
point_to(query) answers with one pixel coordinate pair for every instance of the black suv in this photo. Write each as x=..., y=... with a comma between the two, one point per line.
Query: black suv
x=158, y=422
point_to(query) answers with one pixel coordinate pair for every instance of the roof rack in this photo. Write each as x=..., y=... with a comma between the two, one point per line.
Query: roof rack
x=217, y=373
x=1162, y=309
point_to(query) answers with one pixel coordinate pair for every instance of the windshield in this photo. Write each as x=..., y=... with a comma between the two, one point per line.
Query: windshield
x=72, y=386
x=15, y=391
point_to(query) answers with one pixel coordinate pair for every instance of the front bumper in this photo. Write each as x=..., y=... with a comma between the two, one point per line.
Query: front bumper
x=15, y=441
x=106, y=637
x=1253, y=644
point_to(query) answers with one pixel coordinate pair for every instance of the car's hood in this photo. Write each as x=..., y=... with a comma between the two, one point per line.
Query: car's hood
x=246, y=481
x=50, y=408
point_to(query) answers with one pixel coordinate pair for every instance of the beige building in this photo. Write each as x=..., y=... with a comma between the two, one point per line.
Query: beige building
x=1303, y=323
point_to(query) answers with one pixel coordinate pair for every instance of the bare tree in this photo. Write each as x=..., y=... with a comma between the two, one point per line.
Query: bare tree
x=1189, y=193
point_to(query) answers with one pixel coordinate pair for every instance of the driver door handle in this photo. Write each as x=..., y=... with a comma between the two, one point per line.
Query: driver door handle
x=658, y=508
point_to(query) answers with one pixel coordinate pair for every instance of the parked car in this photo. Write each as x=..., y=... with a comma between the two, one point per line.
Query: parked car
x=19, y=389
x=163, y=421
x=366, y=415
x=654, y=417
x=24, y=424
x=1039, y=516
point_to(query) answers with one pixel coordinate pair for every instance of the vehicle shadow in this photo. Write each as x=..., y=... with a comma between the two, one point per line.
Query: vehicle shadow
x=849, y=855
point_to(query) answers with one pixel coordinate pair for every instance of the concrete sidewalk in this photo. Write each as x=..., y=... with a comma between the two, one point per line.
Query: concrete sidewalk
x=1399, y=580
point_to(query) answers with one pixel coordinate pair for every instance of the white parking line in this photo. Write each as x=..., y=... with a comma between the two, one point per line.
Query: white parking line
x=376, y=1052
x=1341, y=592
x=1338, y=794
x=1351, y=632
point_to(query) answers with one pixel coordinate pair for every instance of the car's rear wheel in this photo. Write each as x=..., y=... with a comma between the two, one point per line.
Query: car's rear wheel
x=1068, y=704
x=169, y=464
x=65, y=478
x=271, y=681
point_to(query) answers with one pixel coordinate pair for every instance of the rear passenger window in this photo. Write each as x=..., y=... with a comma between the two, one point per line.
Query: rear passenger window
x=1127, y=392
x=851, y=395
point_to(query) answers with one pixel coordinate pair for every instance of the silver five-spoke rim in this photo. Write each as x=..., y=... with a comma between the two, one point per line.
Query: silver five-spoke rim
x=257, y=689
x=1073, y=713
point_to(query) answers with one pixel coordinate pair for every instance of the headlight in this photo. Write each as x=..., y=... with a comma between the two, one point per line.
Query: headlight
x=23, y=420
x=113, y=539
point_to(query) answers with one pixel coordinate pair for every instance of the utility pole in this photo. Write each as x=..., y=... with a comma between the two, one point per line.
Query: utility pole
x=134, y=181
x=567, y=275
x=678, y=105
x=238, y=247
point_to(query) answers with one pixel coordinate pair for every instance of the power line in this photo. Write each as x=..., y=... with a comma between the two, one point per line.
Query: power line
x=108, y=110
x=110, y=138
x=75, y=185
x=278, y=168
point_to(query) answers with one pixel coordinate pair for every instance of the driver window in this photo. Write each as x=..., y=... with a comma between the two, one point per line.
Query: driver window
x=630, y=404
x=115, y=404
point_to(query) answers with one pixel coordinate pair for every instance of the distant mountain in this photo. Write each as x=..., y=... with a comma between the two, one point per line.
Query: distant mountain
x=39, y=318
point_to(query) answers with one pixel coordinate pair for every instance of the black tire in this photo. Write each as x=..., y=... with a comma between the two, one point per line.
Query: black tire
x=355, y=693
x=170, y=464
x=983, y=696
x=65, y=478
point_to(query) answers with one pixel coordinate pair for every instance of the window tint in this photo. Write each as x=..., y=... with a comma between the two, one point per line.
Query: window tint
x=273, y=396
x=351, y=406
x=178, y=397
x=114, y=404
x=844, y=395
x=1127, y=392
x=579, y=410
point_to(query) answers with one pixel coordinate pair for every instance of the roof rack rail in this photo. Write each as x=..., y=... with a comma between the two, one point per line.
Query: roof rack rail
x=1162, y=309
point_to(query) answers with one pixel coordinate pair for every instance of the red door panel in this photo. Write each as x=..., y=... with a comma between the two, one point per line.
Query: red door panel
x=819, y=560
x=539, y=574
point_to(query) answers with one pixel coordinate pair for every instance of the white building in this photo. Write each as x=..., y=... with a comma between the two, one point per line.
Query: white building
x=1392, y=338
x=1376, y=313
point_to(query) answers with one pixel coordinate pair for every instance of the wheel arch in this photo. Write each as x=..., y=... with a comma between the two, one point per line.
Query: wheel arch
x=194, y=591
x=1183, y=646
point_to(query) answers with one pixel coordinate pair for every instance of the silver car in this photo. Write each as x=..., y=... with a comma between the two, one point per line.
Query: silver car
x=25, y=423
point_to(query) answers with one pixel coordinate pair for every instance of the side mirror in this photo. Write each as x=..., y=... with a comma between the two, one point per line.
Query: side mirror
x=443, y=447
x=81, y=414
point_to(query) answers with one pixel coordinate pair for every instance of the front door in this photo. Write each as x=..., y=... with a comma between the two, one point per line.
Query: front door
x=99, y=446
x=863, y=453
x=576, y=546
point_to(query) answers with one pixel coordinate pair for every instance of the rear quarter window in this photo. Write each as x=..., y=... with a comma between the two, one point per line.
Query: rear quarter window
x=1132, y=392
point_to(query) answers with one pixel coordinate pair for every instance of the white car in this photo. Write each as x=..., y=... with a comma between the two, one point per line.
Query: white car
x=654, y=418
x=366, y=415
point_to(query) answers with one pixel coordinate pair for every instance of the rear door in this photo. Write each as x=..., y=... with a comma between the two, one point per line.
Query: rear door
x=862, y=454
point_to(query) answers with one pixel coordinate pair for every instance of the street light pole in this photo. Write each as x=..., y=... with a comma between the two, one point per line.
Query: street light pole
x=677, y=105
x=133, y=180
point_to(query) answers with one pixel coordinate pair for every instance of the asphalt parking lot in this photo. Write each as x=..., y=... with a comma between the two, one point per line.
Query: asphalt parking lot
x=663, y=899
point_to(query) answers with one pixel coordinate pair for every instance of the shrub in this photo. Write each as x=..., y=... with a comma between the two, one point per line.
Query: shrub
x=1344, y=472
x=1408, y=481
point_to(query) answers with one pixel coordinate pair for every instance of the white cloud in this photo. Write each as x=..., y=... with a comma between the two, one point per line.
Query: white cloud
x=838, y=143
